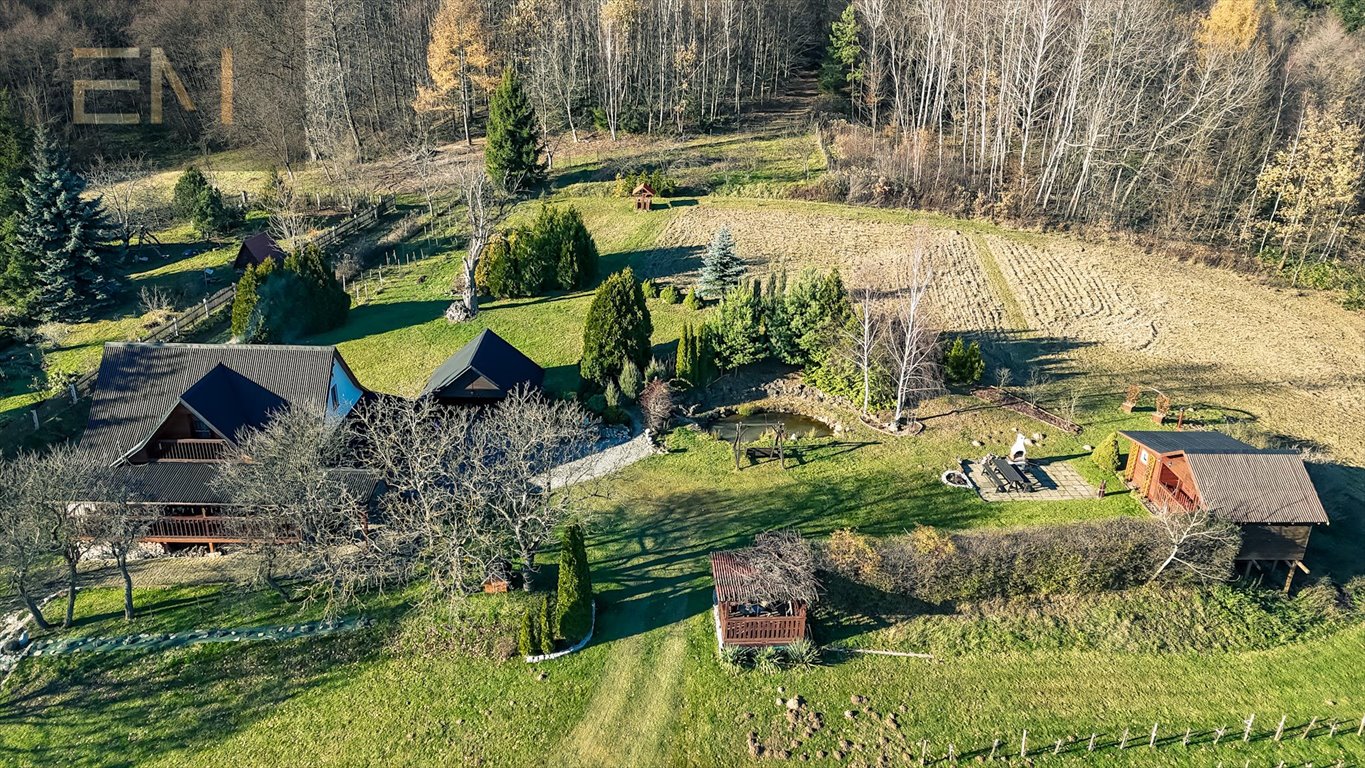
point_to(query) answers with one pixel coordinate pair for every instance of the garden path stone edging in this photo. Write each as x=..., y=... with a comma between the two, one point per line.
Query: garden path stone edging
x=169, y=640
x=575, y=648
x=604, y=462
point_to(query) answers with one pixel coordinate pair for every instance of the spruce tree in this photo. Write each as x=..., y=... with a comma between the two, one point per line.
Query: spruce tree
x=573, y=605
x=739, y=328
x=839, y=68
x=512, y=151
x=721, y=267
x=58, y=241
x=617, y=329
x=189, y=188
x=13, y=165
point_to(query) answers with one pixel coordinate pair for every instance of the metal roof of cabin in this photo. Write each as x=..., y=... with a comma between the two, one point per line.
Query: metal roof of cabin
x=492, y=357
x=235, y=385
x=1266, y=487
x=1164, y=441
x=257, y=249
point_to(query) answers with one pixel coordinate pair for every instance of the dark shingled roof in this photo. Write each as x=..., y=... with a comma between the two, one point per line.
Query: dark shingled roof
x=1190, y=442
x=192, y=483
x=236, y=385
x=1259, y=487
x=256, y=250
x=490, y=356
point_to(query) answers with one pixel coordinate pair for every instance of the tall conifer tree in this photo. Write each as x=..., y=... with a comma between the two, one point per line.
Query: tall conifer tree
x=512, y=153
x=59, y=241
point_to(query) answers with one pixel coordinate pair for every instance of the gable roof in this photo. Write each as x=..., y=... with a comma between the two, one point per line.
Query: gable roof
x=1256, y=487
x=228, y=385
x=490, y=356
x=1164, y=441
x=643, y=188
x=256, y=250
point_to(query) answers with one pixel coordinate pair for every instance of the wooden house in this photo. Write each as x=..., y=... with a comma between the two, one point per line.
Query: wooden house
x=743, y=616
x=1267, y=493
x=168, y=414
x=483, y=371
x=256, y=250
x=644, y=197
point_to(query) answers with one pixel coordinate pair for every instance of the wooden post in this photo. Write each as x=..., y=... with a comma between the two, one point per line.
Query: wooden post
x=1311, y=725
x=952, y=753
x=1057, y=750
x=1151, y=742
x=1279, y=729
x=71, y=389
x=175, y=327
x=1331, y=734
x=1023, y=744
x=996, y=745
x=739, y=428
x=1361, y=729
x=1091, y=746
x=1123, y=741
x=34, y=414
x=1185, y=742
x=1246, y=732
x=1218, y=734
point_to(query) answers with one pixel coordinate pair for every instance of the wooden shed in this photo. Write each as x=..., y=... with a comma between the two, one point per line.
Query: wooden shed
x=256, y=250
x=743, y=616
x=483, y=371
x=644, y=197
x=1265, y=492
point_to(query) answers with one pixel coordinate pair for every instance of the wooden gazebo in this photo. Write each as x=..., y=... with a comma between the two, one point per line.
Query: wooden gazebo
x=746, y=614
x=644, y=197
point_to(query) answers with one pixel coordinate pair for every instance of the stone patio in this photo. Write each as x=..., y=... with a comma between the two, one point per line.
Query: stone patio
x=1052, y=481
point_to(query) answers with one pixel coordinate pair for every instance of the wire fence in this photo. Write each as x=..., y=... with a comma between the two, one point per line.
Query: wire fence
x=53, y=412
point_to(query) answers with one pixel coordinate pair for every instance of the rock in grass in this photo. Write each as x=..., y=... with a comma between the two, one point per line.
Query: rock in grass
x=795, y=702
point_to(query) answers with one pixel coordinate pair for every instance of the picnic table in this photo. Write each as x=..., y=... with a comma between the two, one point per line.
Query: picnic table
x=1006, y=476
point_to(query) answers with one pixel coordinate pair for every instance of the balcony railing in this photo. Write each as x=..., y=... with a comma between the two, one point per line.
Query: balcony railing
x=1164, y=497
x=188, y=450
x=191, y=529
x=762, y=630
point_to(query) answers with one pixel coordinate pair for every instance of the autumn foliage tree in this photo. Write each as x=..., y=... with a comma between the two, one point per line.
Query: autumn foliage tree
x=458, y=62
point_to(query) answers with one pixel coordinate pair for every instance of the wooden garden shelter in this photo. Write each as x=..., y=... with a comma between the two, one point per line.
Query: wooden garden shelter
x=484, y=371
x=1267, y=493
x=644, y=197
x=256, y=250
x=743, y=616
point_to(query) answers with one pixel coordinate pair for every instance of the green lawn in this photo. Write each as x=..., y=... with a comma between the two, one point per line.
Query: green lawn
x=649, y=690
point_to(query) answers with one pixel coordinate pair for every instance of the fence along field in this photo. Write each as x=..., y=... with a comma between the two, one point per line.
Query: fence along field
x=55, y=409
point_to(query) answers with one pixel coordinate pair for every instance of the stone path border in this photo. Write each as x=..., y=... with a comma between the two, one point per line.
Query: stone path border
x=575, y=648
x=169, y=640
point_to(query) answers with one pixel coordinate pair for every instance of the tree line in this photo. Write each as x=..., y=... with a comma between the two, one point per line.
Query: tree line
x=1232, y=124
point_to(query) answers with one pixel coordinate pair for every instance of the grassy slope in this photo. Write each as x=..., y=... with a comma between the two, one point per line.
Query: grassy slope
x=649, y=692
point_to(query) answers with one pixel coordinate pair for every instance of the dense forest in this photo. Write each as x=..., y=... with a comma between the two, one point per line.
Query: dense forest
x=1235, y=124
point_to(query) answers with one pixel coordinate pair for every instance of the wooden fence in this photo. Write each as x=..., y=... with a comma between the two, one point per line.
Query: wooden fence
x=67, y=396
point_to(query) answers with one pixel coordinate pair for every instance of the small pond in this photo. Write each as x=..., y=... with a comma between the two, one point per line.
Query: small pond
x=756, y=424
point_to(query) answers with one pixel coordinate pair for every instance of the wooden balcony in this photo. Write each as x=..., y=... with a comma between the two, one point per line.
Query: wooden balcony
x=761, y=630
x=188, y=450
x=1165, y=497
x=187, y=529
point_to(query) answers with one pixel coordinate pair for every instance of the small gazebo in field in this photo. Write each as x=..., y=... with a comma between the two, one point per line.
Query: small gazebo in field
x=644, y=197
x=762, y=593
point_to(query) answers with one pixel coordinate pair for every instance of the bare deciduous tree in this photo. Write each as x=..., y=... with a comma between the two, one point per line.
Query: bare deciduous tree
x=911, y=335
x=485, y=207
x=1201, y=543
x=781, y=566
x=301, y=507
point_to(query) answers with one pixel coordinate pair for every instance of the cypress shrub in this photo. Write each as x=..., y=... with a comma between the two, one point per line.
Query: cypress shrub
x=573, y=606
x=693, y=300
x=1106, y=454
x=188, y=190
x=528, y=638
x=631, y=381
x=669, y=295
x=546, y=629
x=617, y=329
